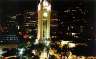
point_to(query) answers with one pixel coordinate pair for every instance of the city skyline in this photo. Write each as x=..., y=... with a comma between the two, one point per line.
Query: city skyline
x=70, y=21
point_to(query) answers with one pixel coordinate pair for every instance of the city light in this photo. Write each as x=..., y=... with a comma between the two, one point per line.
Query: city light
x=10, y=57
x=71, y=45
x=73, y=34
x=64, y=42
x=82, y=57
x=34, y=51
x=21, y=51
x=44, y=55
x=51, y=52
x=13, y=17
x=18, y=27
x=36, y=41
x=30, y=37
x=70, y=55
x=47, y=43
x=2, y=52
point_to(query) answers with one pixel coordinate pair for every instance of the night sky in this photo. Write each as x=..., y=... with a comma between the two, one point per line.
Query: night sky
x=13, y=5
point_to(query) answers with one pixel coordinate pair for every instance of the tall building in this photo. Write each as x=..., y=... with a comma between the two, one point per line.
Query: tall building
x=74, y=26
x=43, y=34
x=54, y=26
x=27, y=22
x=44, y=12
x=30, y=24
x=72, y=22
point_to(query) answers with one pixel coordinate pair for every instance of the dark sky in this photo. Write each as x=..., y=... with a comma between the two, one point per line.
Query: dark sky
x=9, y=7
x=13, y=5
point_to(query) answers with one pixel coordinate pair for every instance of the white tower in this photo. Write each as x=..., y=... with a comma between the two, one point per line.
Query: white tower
x=43, y=35
x=44, y=12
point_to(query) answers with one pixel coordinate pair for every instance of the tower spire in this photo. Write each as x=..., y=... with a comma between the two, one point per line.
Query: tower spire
x=40, y=0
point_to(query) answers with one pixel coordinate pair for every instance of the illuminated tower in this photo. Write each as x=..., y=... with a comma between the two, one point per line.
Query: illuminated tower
x=43, y=35
x=44, y=12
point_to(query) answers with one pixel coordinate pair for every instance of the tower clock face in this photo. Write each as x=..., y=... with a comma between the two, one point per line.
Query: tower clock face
x=45, y=14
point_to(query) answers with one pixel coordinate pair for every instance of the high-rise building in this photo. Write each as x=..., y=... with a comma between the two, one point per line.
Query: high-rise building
x=54, y=26
x=43, y=34
x=27, y=25
x=72, y=23
x=44, y=13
